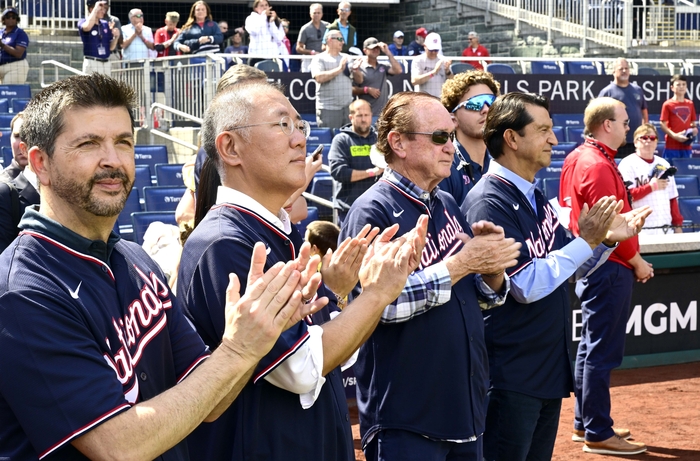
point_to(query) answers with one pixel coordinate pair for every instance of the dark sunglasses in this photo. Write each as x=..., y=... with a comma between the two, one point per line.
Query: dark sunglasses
x=476, y=103
x=340, y=39
x=648, y=137
x=439, y=137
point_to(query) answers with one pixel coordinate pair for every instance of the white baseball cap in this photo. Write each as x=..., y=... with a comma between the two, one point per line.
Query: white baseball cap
x=433, y=42
x=398, y=34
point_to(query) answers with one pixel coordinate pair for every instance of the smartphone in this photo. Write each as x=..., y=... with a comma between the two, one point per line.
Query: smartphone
x=670, y=171
x=316, y=154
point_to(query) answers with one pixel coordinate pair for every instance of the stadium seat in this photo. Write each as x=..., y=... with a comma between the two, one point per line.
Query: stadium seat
x=143, y=179
x=687, y=166
x=19, y=104
x=322, y=187
x=655, y=119
x=687, y=186
x=151, y=155
x=567, y=120
x=6, y=155
x=320, y=136
x=647, y=71
x=550, y=188
x=545, y=67
x=559, y=133
x=574, y=134
x=312, y=216
x=268, y=65
x=5, y=120
x=124, y=223
x=459, y=67
x=142, y=219
x=319, y=174
x=552, y=171
x=690, y=209
x=5, y=139
x=563, y=148
x=581, y=68
x=4, y=105
x=15, y=91
x=326, y=149
x=311, y=118
x=500, y=68
x=159, y=198
x=169, y=174
x=660, y=146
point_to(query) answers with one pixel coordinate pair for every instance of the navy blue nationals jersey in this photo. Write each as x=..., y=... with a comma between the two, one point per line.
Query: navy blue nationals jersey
x=265, y=422
x=527, y=344
x=82, y=341
x=428, y=374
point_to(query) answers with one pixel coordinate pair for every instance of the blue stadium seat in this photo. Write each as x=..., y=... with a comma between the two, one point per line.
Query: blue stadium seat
x=15, y=91
x=322, y=187
x=552, y=171
x=563, y=148
x=647, y=71
x=687, y=186
x=660, y=146
x=5, y=120
x=459, y=67
x=312, y=216
x=567, y=120
x=169, y=174
x=696, y=150
x=545, y=67
x=165, y=198
x=268, y=65
x=311, y=118
x=550, y=188
x=500, y=68
x=326, y=149
x=581, y=68
x=574, y=134
x=655, y=119
x=5, y=139
x=690, y=209
x=124, y=224
x=143, y=179
x=142, y=219
x=6, y=155
x=19, y=104
x=320, y=136
x=687, y=166
x=4, y=105
x=559, y=133
x=151, y=155
x=319, y=174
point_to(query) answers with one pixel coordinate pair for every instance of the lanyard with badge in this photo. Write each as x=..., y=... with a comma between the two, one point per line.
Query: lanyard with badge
x=101, y=51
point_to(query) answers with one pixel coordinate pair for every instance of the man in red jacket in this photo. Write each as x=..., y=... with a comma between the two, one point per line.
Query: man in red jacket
x=590, y=173
x=475, y=49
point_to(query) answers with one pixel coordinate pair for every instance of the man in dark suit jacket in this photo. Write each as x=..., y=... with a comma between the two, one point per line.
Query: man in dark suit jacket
x=15, y=196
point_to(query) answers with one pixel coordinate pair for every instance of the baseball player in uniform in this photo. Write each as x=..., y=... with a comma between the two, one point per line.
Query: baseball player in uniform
x=407, y=393
x=527, y=337
x=588, y=174
x=644, y=174
x=294, y=407
x=98, y=360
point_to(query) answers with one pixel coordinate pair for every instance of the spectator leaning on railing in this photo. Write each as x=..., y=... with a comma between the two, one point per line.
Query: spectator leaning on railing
x=200, y=34
x=99, y=38
x=13, y=50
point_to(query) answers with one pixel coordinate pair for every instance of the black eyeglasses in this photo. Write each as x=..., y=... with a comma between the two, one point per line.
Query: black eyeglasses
x=439, y=137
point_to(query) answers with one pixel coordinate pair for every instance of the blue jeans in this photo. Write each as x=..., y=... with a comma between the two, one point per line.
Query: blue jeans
x=605, y=302
x=399, y=445
x=520, y=427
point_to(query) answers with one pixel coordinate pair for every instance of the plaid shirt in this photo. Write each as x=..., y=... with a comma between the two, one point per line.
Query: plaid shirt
x=431, y=286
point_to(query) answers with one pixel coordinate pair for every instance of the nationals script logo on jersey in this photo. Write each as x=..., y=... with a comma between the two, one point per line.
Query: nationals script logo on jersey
x=445, y=244
x=542, y=244
x=144, y=320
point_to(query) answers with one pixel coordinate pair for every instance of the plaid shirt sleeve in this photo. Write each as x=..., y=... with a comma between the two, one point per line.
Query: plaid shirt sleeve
x=488, y=299
x=424, y=290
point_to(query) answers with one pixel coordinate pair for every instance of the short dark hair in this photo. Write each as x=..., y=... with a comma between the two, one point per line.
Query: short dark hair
x=399, y=114
x=324, y=235
x=509, y=112
x=44, y=115
x=678, y=77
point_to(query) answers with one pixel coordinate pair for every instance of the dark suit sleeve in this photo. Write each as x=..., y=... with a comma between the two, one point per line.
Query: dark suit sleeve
x=8, y=229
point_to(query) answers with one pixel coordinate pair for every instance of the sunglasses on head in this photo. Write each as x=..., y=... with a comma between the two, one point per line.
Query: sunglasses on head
x=318, y=34
x=476, y=103
x=438, y=137
x=648, y=137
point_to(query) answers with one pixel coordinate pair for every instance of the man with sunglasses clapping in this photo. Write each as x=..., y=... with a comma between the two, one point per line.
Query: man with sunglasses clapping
x=468, y=97
x=428, y=354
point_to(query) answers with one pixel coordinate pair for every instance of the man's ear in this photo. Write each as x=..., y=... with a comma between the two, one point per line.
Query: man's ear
x=40, y=164
x=226, y=146
x=396, y=144
x=510, y=138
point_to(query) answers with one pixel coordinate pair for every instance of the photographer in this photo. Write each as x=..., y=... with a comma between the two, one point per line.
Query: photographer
x=99, y=38
x=650, y=180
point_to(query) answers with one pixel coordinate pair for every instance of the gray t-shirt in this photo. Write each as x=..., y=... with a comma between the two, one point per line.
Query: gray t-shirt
x=375, y=77
x=336, y=93
x=422, y=65
x=312, y=39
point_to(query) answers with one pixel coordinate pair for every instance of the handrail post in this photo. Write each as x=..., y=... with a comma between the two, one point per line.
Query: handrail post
x=627, y=18
x=585, y=9
x=550, y=13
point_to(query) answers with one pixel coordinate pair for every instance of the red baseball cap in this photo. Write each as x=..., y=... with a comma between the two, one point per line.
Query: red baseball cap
x=422, y=32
